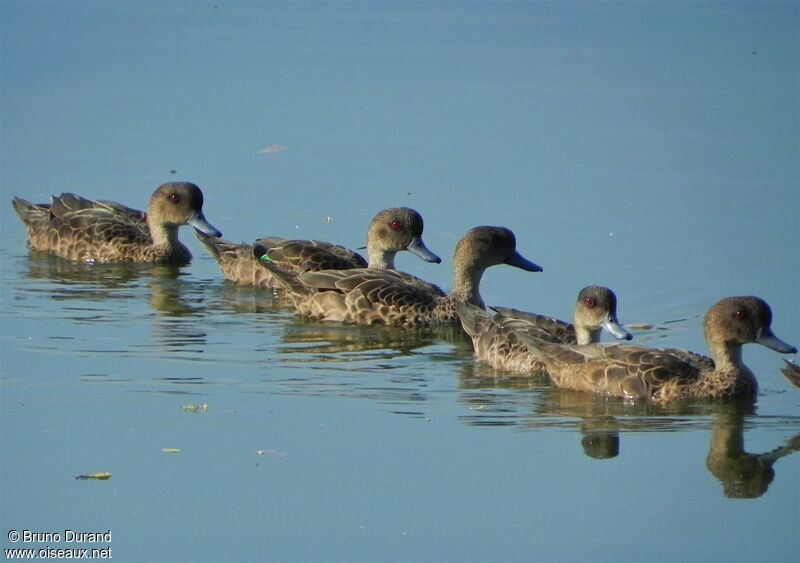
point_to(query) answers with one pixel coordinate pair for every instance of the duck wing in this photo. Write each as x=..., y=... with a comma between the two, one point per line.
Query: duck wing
x=78, y=218
x=311, y=255
x=541, y=327
x=367, y=296
x=68, y=204
x=385, y=287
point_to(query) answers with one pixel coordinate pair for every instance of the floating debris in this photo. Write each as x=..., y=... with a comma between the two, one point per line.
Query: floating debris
x=792, y=373
x=195, y=408
x=639, y=326
x=275, y=453
x=329, y=218
x=97, y=476
x=273, y=149
x=171, y=450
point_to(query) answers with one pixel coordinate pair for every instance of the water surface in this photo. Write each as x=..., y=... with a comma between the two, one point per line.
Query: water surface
x=647, y=147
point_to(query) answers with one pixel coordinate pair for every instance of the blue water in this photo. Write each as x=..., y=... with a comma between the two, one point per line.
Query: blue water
x=650, y=147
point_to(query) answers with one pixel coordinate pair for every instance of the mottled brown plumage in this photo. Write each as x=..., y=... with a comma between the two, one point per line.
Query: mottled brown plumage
x=86, y=230
x=387, y=297
x=391, y=231
x=663, y=375
x=498, y=341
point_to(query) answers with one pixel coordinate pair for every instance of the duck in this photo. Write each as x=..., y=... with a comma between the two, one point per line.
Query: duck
x=87, y=230
x=595, y=310
x=391, y=298
x=664, y=375
x=391, y=231
x=496, y=341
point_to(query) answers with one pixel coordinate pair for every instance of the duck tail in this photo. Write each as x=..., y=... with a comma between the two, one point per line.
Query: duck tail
x=30, y=213
x=214, y=245
x=474, y=319
x=284, y=278
x=792, y=373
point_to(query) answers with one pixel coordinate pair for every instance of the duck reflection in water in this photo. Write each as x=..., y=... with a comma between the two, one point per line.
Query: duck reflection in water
x=102, y=276
x=506, y=401
x=99, y=290
x=742, y=474
x=108, y=282
x=304, y=336
x=179, y=306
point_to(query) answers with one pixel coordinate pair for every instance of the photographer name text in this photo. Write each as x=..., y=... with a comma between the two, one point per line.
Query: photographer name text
x=51, y=548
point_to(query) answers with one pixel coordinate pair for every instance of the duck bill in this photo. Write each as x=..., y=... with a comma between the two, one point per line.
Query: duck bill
x=418, y=248
x=767, y=338
x=519, y=261
x=199, y=222
x=615, y=329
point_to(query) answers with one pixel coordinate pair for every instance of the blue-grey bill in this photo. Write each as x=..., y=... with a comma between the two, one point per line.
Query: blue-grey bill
x=199, y=222
x=519, y=261
x=418, y=248
x=615, y=329
x=767, y=338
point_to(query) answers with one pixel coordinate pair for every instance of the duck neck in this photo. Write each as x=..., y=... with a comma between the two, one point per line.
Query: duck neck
x=727, y=356
x=585, y=335
x=380, y=259
x=164, y=236
x=729, y=370
x=466, y=283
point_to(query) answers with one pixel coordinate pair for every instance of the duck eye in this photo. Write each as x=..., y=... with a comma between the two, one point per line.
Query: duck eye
x=174, y=198
x=740, y=315
x=395, y=225
x=589, y=302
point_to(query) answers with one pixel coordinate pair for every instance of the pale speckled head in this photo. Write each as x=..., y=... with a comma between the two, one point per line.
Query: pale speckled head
x=740, y=320
x=596, y=309
x=482, y=247
x=397, y=229
x=180, y=203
